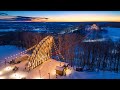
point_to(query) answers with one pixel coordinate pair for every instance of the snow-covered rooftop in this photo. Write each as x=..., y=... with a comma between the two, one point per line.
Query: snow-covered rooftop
x=59, y=68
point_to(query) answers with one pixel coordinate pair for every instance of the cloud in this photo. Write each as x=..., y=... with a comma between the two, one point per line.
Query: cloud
x=44, y=18
x=20, y=18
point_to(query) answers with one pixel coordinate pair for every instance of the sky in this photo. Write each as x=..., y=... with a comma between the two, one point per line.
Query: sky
x=59, y=16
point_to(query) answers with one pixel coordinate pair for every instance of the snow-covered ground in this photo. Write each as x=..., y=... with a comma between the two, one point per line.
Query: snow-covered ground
x=8, y=50
x=41, y=72
x=96, y=40
x=47, y=70
x=91, y=75
x=114, y=33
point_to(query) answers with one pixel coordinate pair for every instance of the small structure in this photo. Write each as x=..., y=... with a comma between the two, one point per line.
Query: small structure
x=94, y=27
x=79, y=69
x=60, y=70
x=15, y=69
x=91, y=27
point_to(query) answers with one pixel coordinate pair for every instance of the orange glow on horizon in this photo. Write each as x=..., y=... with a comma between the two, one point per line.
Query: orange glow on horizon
x=77, y=18
x=71, y=17
x=84, y=18
x=38, y=20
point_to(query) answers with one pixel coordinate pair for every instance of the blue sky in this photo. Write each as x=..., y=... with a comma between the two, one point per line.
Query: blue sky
x=49, y=13
x=67, y=15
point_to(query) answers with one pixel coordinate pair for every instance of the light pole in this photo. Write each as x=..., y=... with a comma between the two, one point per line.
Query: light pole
x=60, y=63
x=40, y=73
x=49, y=75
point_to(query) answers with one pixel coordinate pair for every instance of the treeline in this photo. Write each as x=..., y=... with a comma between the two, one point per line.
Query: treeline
x=66, y=44
x=21, y=39
x=103, y=55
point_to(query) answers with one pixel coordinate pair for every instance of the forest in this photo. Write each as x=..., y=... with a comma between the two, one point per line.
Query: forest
x=103, y=55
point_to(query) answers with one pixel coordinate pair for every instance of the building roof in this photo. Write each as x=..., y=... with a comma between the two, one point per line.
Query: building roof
x=59, y=68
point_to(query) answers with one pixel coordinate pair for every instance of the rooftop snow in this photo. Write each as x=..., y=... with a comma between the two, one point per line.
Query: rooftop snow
x=59, y=68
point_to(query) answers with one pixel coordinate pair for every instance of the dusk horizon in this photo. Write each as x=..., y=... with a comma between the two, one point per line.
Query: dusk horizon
x=59, y=44
x=60, y=16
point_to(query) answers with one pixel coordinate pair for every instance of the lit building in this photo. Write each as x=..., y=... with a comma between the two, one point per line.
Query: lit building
x=92, y=27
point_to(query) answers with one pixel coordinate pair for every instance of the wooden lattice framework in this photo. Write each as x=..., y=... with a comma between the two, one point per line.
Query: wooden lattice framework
x=41, y=53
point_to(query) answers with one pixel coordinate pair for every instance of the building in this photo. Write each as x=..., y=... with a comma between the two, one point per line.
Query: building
x=91, y=27
x=61, y=70
x=94, y=27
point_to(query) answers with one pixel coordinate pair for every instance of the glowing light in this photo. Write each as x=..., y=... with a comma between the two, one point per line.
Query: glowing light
x=38, y=78
x=9, y=68
x=17, y=76
x=6, y=69
x=2, y=77
x=53, y=72
x=1, y=72
x=68, y=71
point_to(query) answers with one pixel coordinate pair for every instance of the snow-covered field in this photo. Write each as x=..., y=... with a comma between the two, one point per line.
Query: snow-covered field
x=8, y=50
x=41, y=72
x=113, y=33
x=92, y=75
x=96, y=40
x=47, y=70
